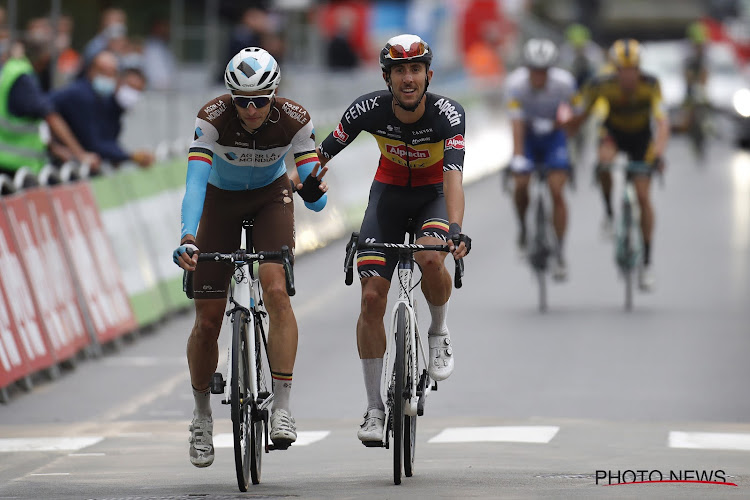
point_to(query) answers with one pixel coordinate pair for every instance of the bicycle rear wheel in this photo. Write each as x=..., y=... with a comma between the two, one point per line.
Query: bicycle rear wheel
x=399, y=387
x=541, y=250
x=259, y=419
x=241, y=398
x=410, y=421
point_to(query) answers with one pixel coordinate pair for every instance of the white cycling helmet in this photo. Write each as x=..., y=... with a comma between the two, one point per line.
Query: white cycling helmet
x=252, y=69
x=539, y=53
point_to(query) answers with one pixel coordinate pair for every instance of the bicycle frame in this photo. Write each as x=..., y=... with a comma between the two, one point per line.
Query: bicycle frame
x=245, y=295
x=628, y=246
x=406, y=297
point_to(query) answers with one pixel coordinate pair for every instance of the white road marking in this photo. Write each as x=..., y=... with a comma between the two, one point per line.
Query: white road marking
x=510, y=434
x=308, y=437
x=146, y=398
x=48, y=444
x=86, y=454
x=304, y=438
x=710, y=440
x=143, y=361
x=50, y=474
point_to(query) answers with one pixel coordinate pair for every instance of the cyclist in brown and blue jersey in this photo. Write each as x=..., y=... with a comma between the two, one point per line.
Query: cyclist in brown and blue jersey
x=236, y=171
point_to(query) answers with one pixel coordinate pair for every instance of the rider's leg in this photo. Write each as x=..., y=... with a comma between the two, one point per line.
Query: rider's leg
x=642, y=185
x=521, y=200
x=437, y=287
x=371, y=336
x=282, y=334
x=556, y=180
x=203, y=355
x=203, y=348
x=606, y=156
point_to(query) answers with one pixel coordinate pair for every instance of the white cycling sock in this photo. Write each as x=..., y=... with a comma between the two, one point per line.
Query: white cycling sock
x=438, y=313
x=202, y=402
x=282, y=386
x=372, y=369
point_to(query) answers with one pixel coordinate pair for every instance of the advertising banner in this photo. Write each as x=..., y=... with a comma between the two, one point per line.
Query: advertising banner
x=46, y=271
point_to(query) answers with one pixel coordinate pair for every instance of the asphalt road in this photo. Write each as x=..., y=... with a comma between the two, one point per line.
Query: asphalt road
x=537, y=403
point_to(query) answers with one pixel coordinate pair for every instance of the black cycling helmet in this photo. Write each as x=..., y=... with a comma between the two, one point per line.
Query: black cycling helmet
x=404, y=48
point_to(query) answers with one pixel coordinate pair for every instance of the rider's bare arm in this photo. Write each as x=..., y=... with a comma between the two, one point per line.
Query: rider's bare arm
x=454, y=196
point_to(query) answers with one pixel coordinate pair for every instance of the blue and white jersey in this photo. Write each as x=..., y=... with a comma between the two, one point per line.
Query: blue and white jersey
x=538, y=108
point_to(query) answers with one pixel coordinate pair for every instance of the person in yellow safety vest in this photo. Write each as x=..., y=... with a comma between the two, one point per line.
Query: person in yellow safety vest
x=23, y=106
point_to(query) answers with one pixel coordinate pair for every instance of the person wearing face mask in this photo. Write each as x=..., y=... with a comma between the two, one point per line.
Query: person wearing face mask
x=85, y=105
x=130, y=87
x=23, y=107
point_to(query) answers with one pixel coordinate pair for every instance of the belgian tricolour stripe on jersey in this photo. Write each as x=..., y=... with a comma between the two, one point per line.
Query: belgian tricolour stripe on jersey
x=306, y=157
x=367, y=258
x=201, y=154
x=435, y=224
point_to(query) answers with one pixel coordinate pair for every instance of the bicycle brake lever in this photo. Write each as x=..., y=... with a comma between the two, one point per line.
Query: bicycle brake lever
x=459, y=273
x=288, y=271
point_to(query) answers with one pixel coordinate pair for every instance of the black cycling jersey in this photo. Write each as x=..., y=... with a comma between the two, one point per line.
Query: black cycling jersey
x=413, y=154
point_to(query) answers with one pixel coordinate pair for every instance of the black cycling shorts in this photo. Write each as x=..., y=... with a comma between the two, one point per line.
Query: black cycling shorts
x=391, y=211
x=637, y=145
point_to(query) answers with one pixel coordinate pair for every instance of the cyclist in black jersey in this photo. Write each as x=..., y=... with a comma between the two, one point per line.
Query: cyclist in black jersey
x=419, y=179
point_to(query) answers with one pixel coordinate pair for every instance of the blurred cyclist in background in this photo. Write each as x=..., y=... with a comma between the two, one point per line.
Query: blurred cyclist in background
x=236, y=171
x=634, y=99
x=419, y=178
x=579, y=54
x=695, y=71
x=536, y=92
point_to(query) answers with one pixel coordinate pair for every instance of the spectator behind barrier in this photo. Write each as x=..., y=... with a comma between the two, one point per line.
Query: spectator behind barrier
x=112, y=35
x=340, y=54
x=159, y=63
x=23, y=106
x=88, y=104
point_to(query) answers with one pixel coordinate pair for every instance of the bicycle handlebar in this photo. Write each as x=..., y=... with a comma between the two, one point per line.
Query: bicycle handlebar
x=355, y=245
x=241, y=257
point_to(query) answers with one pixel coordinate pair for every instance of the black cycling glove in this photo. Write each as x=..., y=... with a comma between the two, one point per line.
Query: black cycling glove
x=310, y=191
x=455, y=234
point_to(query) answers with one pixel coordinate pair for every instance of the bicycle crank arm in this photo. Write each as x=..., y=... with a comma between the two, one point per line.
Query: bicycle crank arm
x=264, y=402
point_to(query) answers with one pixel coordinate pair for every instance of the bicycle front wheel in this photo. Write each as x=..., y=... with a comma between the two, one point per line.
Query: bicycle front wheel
x=399, y=389
x=628, y=269
x=241, y=396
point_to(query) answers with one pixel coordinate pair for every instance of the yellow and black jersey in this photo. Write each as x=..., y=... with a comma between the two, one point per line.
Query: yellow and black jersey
x=628, y=112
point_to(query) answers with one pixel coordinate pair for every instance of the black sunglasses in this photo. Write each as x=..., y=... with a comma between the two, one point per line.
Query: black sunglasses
x=245, y=101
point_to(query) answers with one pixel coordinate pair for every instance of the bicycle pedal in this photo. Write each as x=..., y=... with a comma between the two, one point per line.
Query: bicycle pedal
x=217, y=384
x=279, y=446
x=434, y=385
x=373, y=444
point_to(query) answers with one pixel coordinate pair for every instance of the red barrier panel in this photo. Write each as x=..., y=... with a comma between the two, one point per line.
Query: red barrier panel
x=23, y=349
x=39, y=242
x=93, y=261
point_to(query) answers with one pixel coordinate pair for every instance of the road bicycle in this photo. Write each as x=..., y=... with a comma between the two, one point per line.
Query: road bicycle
x=247, y=387
x=542, y=245
x=405, y=383
x=628, y=238
x=542, y=242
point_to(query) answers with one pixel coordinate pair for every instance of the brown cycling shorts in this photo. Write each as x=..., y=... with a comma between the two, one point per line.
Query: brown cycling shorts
x=272, y=211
